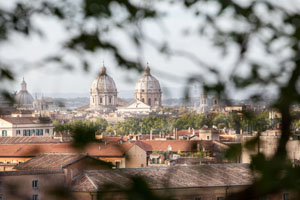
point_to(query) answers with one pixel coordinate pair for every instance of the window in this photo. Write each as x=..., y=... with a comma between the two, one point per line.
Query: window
x=18, y=132
x=41, y=131
x=37, y=132
x=110, y=99
x=197, y=198
x=207, y=137
x=285, y=196
x=47, y=131
x=4, y=133
x=0, y=187
x=117, y=164
x=28, y=133
x=100, y=99
x=35, y=184
x=143, y=100
x=149, y=101
x=24, y=133
x=220, y=198
x=35, y=197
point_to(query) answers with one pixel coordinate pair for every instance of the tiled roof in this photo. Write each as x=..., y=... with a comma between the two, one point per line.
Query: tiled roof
x=28, y=140
x=180, y=145
x=173, y=177
x=24, y=120
x=30, y=172
x=50, y=161
x=93, y=149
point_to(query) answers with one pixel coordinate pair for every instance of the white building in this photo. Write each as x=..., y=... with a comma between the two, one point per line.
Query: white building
x=25, y=126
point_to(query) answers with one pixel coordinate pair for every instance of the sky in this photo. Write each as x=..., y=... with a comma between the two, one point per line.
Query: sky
x=172, y=72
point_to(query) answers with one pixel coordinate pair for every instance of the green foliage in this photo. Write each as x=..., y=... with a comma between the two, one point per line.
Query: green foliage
x=195, y=121
x=82, y=132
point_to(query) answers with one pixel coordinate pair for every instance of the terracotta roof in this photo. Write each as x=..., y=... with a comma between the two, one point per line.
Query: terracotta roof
x=24, y=120
x=28, y=140
x=93, y=149
x=180, y=145
x=174, y=177
x=51, y=161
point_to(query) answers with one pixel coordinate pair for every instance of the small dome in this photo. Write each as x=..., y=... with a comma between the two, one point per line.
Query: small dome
x=23, y=97
x=147, y=82
x=103, y=83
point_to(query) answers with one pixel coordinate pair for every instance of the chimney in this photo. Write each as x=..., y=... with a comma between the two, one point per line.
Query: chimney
x=189, y=129
x=174, y=132
x=151, y=134
x=198, y=147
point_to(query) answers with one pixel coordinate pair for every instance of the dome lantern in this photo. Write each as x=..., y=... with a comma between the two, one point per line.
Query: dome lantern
x=103, y=71
x=147, y=70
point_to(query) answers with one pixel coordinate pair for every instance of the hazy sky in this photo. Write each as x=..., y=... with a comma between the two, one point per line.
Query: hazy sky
x=171, y=72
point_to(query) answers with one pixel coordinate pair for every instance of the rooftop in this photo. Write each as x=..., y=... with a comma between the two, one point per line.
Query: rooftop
x=174, y=177
x=28, y=140
x=181, y=145
x=50, y=161
x=26, y=120
x=93, y=149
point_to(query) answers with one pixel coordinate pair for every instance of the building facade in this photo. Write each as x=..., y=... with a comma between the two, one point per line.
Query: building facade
x=25, y=126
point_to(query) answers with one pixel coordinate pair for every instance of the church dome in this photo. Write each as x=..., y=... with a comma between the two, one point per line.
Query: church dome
x=103, y=83
x=147, y=83
x=23, y=97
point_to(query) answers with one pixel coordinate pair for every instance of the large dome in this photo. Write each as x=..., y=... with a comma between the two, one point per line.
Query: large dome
x=147, y=83
x=147, y=89
x=23, y=97
x=103, y=83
